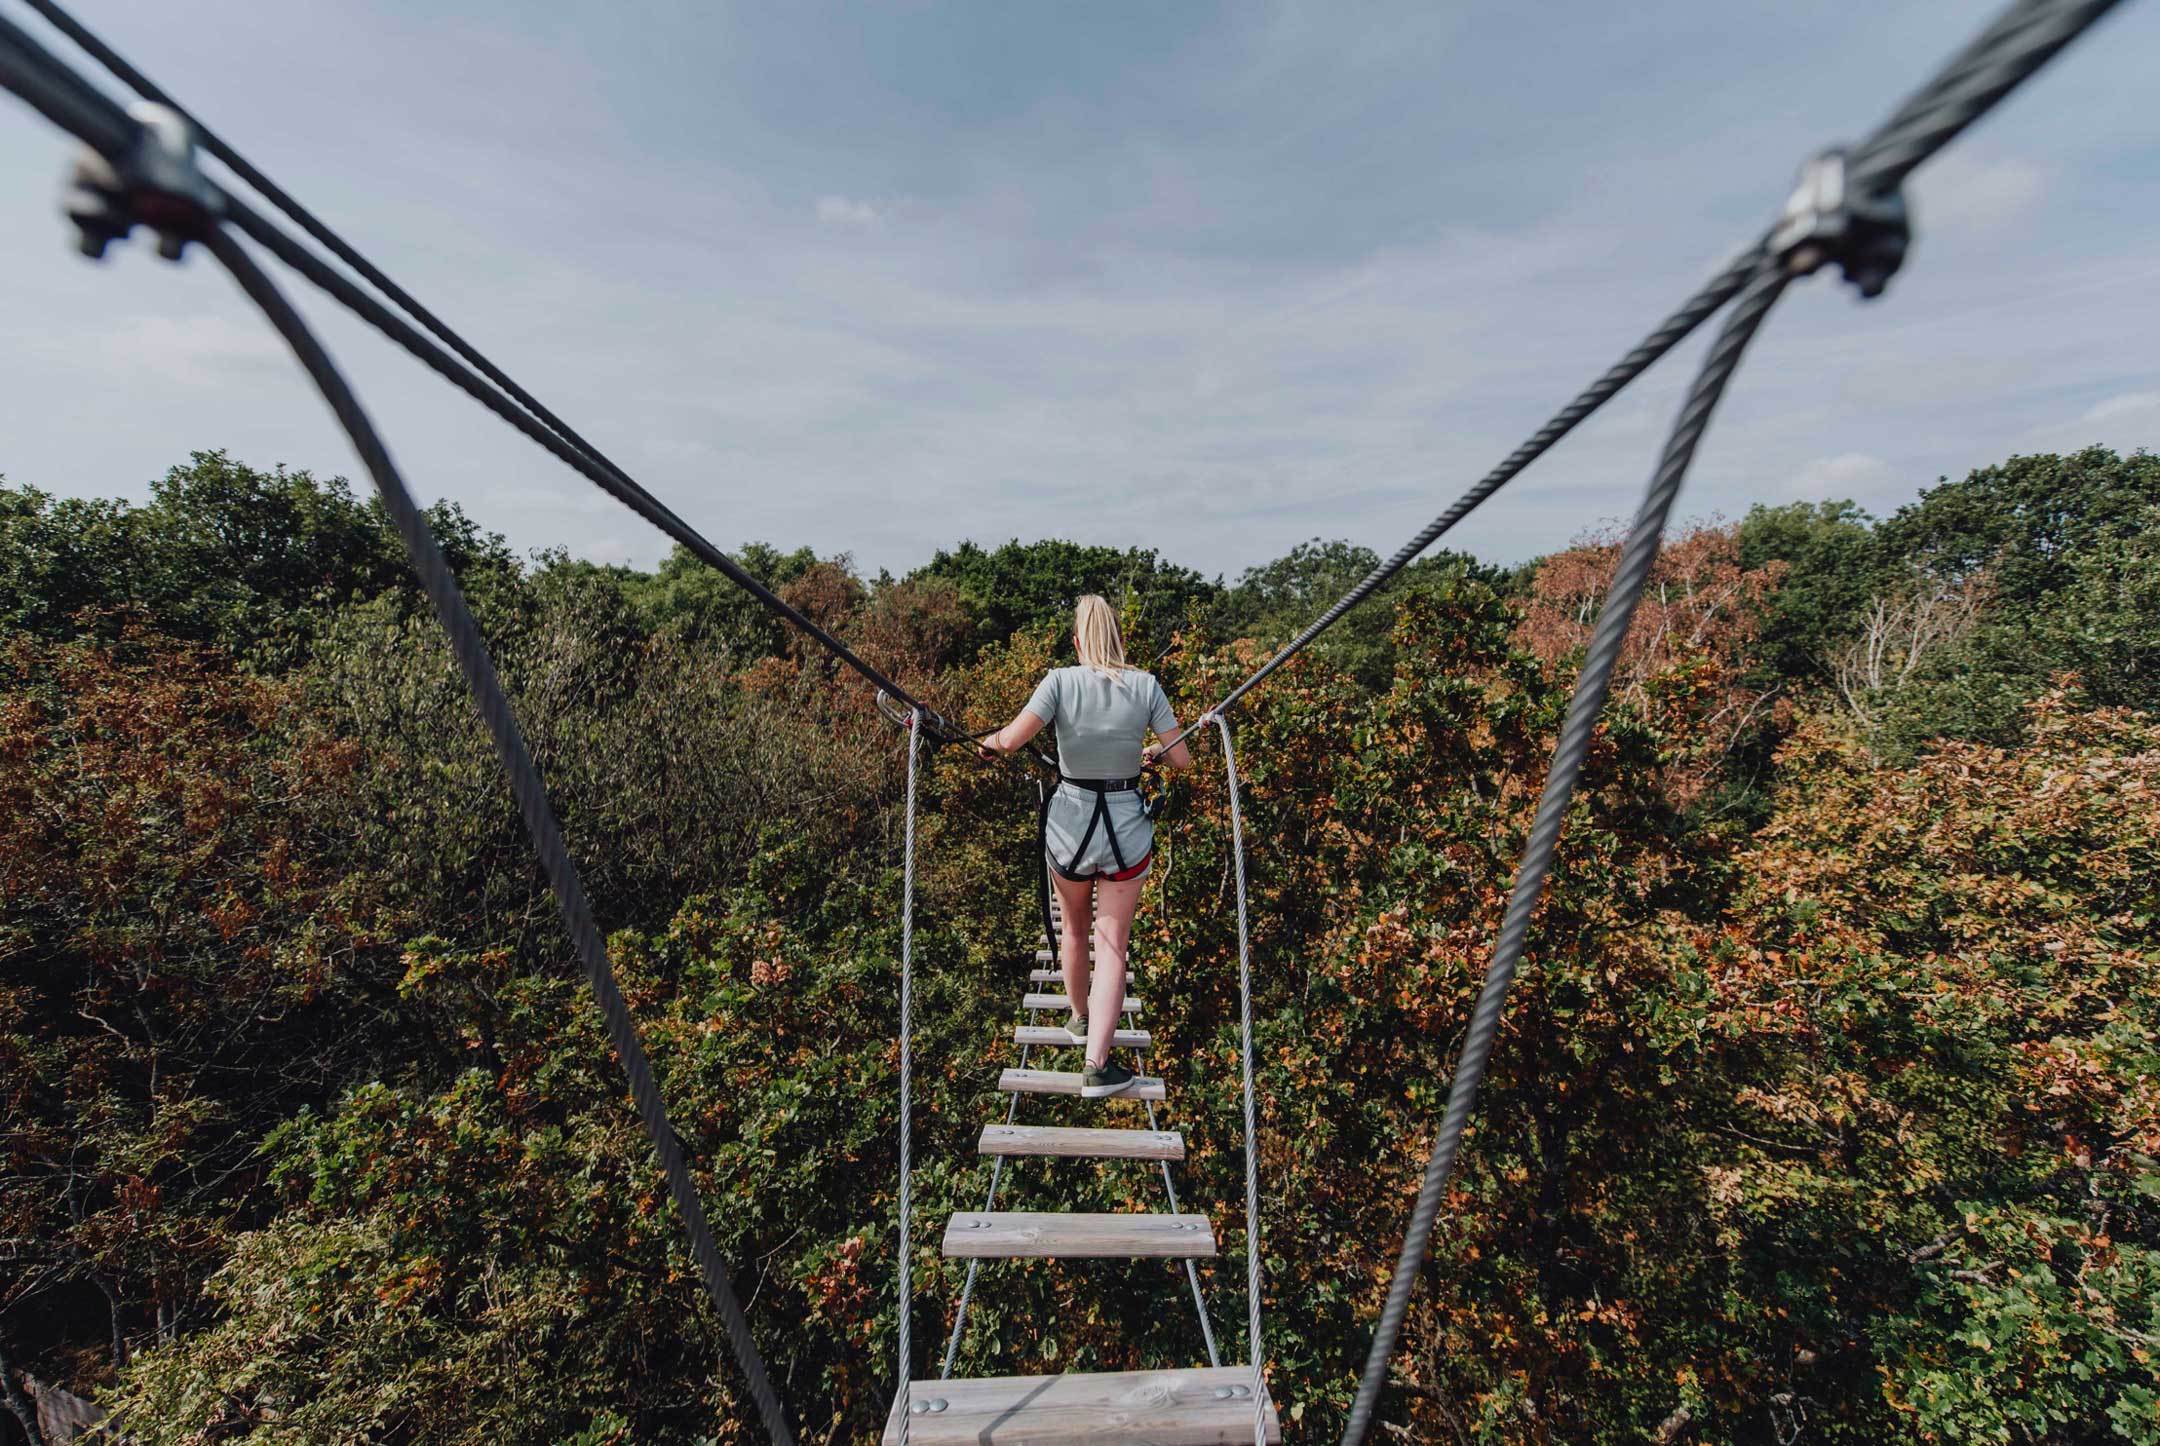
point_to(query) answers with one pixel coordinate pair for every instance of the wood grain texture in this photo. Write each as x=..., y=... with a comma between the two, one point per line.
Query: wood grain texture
x=1200, y=1407
x=1044, y=1036
x=1081, y=1142
x=1057, y=1235
x=1057, y=976
x=1064, y=1002
x=1063, y=1082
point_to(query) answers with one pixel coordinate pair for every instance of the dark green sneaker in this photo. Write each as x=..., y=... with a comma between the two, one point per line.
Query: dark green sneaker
x=1110, y=1079
x=1076, y=1029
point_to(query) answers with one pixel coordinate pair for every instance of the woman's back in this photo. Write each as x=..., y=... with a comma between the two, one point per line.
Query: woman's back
x=1101, y=717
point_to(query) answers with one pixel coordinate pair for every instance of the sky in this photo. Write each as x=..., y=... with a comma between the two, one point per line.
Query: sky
x=1211, y=279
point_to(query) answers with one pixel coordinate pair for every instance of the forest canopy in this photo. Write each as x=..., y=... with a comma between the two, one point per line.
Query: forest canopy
x=1827, y=1106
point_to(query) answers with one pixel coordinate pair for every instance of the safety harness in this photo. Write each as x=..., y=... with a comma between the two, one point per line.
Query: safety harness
x=1102, y=788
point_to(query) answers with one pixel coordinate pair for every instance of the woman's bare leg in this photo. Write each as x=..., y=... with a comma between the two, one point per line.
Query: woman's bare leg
x=1114, y=907
x=1077, y=907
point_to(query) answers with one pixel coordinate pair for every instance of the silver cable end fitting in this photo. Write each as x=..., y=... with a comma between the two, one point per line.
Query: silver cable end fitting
x=157, y=183
x=1866, y=235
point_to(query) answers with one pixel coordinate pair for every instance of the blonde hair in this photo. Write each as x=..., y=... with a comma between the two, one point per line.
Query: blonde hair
x=1096, y=636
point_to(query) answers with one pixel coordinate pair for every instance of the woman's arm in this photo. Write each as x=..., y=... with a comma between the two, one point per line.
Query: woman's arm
x=1177, y=756
x=1013, y=737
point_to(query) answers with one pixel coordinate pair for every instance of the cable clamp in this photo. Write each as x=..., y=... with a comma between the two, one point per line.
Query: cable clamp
x=157, y=183
x=1866, y=235
x=894, y=713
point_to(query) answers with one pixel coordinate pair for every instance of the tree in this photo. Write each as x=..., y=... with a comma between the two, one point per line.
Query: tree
x=1024, y=585
x=222, y=553
x=1687, y=660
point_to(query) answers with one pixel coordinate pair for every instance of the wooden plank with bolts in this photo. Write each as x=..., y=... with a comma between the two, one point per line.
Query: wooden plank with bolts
x=1205, y=1406
x=1044, y=1036
x=1081, y=1142
x=1057, y=1235
x=1064, y=1002
x=1067, y=1082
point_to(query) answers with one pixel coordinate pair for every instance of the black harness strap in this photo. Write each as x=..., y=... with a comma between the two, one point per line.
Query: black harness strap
x=1102, y=788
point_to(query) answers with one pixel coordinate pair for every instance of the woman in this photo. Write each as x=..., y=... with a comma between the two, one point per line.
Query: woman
x=1101, y=841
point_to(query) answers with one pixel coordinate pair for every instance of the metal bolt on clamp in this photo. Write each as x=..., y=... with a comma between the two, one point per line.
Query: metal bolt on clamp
x=157, y=183
x=1824, y=221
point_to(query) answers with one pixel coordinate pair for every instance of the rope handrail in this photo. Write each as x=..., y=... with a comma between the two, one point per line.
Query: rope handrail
x=482, y=380
x=907, y=1078
x=1640, y=551
x=2018, y=42
x=531, y=794
x=1829, y=213
x=1254, y=1349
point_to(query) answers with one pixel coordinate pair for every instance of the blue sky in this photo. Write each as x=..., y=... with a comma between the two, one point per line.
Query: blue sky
x=1212, y=279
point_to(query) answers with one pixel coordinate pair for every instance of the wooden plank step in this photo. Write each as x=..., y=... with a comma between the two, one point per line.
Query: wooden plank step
x=1057, y=976
x=1056, y=1235
x=1064, y=1002
x=1201, y=1407
x=1062, y=1082
x=1049, y=956
x=1081, y=1143
x=1053, y=1037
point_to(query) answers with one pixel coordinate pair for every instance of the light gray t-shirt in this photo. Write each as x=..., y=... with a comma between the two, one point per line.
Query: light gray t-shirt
x=1101, y=718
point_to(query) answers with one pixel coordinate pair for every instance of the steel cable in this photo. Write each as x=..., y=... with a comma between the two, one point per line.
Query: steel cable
x=1254, y=1345
x=61, y=96
x=1614, y=616
x=531, y=794
x=2017, y=43
x=907, y=1077
x=1669, y=334
x=491, y=386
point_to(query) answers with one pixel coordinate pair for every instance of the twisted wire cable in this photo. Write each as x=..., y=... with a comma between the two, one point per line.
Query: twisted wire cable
x=57, y=93
x=1576, y=731
x=482, y=380
x=2018, y=42
x=907, y=1078
x=2021, y=40
x=531, y=794
x=1256, y=1349
x=1192, y=1271
x=1713, y=294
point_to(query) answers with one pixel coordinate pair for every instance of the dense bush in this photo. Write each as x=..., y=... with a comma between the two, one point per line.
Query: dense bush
x=1825, y=1106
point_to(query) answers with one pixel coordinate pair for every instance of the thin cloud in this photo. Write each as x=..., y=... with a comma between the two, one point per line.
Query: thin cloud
x=840, y=211
x=1845, y=475
x=2131, y=404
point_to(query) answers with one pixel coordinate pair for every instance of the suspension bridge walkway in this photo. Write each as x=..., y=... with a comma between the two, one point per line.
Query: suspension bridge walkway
x=1198, y=1406
x=140, y=168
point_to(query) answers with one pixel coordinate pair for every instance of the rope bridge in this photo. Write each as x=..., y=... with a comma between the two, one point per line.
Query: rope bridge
x=140, y=167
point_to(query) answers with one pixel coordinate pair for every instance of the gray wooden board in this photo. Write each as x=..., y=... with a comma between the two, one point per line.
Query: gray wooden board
x=1044, y=1036
x=1080, y=1142
x=1057, y=976
x=1059, y=1235
x=1200, y=1407
x=1060, y=1001
x=1067, y=1082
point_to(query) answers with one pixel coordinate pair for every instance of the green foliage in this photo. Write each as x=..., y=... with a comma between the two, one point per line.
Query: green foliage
x=1980, y=593
x=687, y=598
x=1024, y=585
x=1272, y=603
x=1832, y=572
x=1837, y=1123
x=222, y=553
